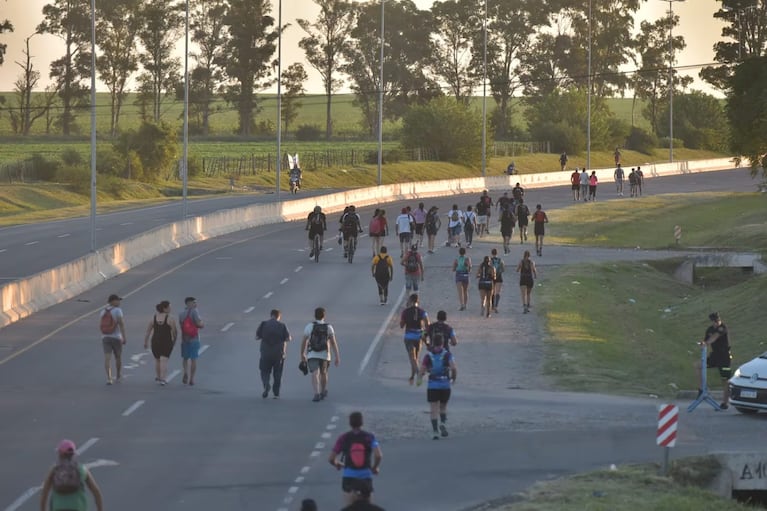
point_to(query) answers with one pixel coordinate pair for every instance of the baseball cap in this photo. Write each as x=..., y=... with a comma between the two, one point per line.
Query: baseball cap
x=714, y=316
x=114, y=297
x=66, y=447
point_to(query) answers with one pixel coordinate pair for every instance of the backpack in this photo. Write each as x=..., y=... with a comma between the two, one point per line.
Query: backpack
x=461, y=266
x=469, y=223
x=440, y=366
x=317, y=219
x=188, y=326
x=318, y=339
x=438, y=330
x=357, y=450
x=431, y=220
x=455, y=216
x=376, y=226
x=539, y=216
x=108, y=323
x=498, y=265
x=413, y=318
x=66, y=478
x=382, y=266
x=350, y=222
x=486, y=275
x=411, y=263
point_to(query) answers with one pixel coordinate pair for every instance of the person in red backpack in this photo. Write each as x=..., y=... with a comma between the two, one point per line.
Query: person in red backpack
x=191, y=323
x=361, y=455
x=539, y=219
x=113, y=338
x=64, y=486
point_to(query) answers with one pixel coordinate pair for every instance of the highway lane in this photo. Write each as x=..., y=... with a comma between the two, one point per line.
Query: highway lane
x=29, y=248
x=219, y=443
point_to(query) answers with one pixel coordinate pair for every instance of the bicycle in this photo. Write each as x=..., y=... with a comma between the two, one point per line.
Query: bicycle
x=351, y=248
x=316, y=246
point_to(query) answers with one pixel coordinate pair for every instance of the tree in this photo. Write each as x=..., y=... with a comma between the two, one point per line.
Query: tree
x=155, y=145
x=747, y=112
x=249, y=51
x=545, y=68
x=117, y=29
x=161, y=22
x=211, y=36
x=70, y=21
x=744, y=36
x=699, y=121
x=325, y=46
x=5, y=26
x=407, y=54
x=451, y=128
x=28, y=108
x=456, y=24
x=293, y=79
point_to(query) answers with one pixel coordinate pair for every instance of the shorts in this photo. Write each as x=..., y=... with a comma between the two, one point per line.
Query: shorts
x=318, y=363
x=190, y=350
x=481, y=219
x=112, y=345
x=462, y=277
x=522, y=223
x=498, y=280
x=413, y=345
x=724, y=370
x=411, y=281
x=539, y=229
x=438, y=395
x=431, y=230
x=485, y=286
x=526, y=282
x=455, y=230
x=419, y=229
x=404, y=237
x=313, y=232
x=352, y=484
x=576, y=187
x=506, y=233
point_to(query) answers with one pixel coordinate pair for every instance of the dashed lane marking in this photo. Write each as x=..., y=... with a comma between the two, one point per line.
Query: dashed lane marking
x=132, y=408
x=31, y=243
x=173, y=375
x=380, y=333
x=66, y=235
x=298, y=269
x=268, y=295
x=248, y=310
x=227, y=327
x=283, y=281
x=204, y=349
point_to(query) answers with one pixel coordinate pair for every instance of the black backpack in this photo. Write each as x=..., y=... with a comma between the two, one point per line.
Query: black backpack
x=382, y=267
x=318, y=339
x=357, y=449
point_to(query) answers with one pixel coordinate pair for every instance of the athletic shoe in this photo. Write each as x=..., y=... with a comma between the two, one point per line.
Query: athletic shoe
x=443, y=429
x=185, y=379
x=163, y=383
x=435, y=436
x=265, y=393
x=316, y=398
x=525, y=236
x=324, y=394
x=724, y=406
x=311, y=254
x=109, y=381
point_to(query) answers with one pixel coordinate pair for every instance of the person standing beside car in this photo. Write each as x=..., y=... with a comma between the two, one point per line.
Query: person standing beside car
x=717, y=341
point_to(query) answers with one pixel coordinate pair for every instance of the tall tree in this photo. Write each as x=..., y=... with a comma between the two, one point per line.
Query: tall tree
x=546, y=67
x=744, y=36
x=210, y=36
x=747, y=112
x=407, y=54
x=70, y=21
x=293, y=79
x=161, y=22
x=249, y=52
x=117, y=29
x=325, y=45
x=456, y=24
x=28, y=108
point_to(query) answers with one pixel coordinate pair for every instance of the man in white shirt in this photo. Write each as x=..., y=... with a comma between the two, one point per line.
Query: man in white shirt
x=455, y=219
x=319, y=338
x=403, y=226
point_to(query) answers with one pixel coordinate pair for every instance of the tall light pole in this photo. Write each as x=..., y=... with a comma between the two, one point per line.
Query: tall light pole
x=588, y=106
x=671, y=79
x=93, y=126
x=484, y=93
x=185, y=157
x=279, y=94
x=381, y=100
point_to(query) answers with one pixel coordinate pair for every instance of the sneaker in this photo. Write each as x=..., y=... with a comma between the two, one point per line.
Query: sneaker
x=346, y=254
x=109, y=381
x=435, y=436
x=324, y=394
x=185, y=379
x=265, y=393
x=724, y=406
x=276, y=395
x=311, y=254
x=316, y=398
x=443, y=429
x=163, y=383
x=429, y=251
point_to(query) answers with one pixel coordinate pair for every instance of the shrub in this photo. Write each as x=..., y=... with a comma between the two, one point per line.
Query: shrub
x=309, y=133
x=77, y=177
x=641, y=141
x=43, y=168
x=563, y=136
x=71, y=157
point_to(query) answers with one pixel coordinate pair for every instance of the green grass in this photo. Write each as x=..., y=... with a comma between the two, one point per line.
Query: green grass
x=628, y=488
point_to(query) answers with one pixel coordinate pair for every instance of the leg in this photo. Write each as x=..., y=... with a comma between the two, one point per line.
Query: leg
x=163, y=368
x=192, y=370
x=412, y=355
x=465, y=291
x=315, y=377
x=523, y=293
x=265, y=368
x=459, y=288
x=108, y=366
x=158, y=369
x=118, y=364
x=324, y=381
x=434, y=416
x=185, y=365
x=277, y=374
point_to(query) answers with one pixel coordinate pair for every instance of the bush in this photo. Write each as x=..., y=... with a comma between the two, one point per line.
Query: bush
x=641, y=141
x=72, y=158
x=309, y=133
x=663, y=142
x=563, y=136
x=77, y=177
x=43, y=168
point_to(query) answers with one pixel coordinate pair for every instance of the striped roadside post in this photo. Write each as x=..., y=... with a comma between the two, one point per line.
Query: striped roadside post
x=677, y=233
x=668, y=415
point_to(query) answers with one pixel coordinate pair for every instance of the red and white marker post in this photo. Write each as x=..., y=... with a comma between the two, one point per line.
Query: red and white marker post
x=668, y=416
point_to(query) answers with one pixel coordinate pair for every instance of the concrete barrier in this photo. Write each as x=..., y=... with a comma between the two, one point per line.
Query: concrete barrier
x=26, y=296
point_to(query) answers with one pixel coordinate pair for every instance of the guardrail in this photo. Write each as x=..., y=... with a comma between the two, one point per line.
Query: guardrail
x=26, y=296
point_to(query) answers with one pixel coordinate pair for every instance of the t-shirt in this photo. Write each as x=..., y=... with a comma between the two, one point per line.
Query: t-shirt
x=418, y=260
x=442, y=382
x=117, y=314
x=619, y=173
x=720, y=349
x=593, y=180
x=195, y=318
x=403, y=223
x=413, y=317
x=584, y=178
x=539, y=216
x=322, y=355
x=419, y=215
x=273, y=335
x=575, y=178
x=453, y=223
x=355, y=473
x=446, y=330
x=77, y=501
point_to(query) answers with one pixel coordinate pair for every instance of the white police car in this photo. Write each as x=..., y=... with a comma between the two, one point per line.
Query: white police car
x=748, y=386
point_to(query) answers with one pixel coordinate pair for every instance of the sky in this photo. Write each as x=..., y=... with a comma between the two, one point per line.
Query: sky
x=697, y=25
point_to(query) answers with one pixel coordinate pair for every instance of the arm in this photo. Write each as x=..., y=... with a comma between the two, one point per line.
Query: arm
x=334, y=345
x=304, y=342
x=333, y=461
x=45, y=492
x=95, y=490
x=453, y=370
x=420, y=265
x=532, y=268
x=453, y=338
x=391, y=269
x=259, y=330
x=173, y=328
x=148, y=333
x=377, y=457
x=121, y=323
x=198, y=320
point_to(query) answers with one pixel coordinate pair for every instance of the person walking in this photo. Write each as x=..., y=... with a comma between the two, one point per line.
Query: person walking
x=319, y=339
x=523, y=213
x=64, y=485
x=486, y=276
x=617, y=156
x=507, y=221
x=191, y=324
x=163, y=333
x=539, y=222
x=439, y=363
x=419, y=217
x=500, y=267
x=563, y=160
x=113, y=337
x=717, y=339
x=377, y=229
x=575, y=184
x=274, y=337
x=469, y=225
x=441, y=328
x=462, y=268
x=633, y=182
x=584, y=184
x=415, y=321
x=527, y=272
x=618, y=175
x=358, y=454
x=414, y=271
x=433, y=225
x=487, y=201
x=403, y=226
x=455, y=220
x=593, y=182
x=640, y=180
x=383, y=273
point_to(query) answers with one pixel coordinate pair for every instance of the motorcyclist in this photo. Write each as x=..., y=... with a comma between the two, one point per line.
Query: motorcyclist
x=295, y=176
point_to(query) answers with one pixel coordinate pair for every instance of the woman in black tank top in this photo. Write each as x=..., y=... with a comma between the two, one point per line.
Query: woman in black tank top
x=162, y=331
x=526, y=270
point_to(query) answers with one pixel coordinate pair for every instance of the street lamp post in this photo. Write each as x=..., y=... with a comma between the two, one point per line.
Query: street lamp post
x=381, y=100
x=93, y=126
x=588, y=107
x=671, y=78
x=279, y=94
x=484, y=94
x=185, y=157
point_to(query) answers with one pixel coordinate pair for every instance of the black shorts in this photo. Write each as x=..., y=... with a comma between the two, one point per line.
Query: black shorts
x=413, y=345
x=485, y=286
x=313, y=232
x=404, y=237
x=419, y=229
x=498, y=280
x=576, y=187
x=526, y=282
x=438, y=395
x=522, y=223
x=352, y=484
x=725, y=371
x=539, y=229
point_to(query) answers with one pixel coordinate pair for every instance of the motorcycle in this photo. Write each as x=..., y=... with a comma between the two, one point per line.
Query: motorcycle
x=295, y=183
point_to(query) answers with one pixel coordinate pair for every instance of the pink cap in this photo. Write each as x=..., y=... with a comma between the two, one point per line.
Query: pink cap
x=66, y=447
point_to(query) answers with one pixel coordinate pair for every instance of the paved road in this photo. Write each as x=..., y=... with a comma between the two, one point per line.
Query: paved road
x=219, y=444
x=28, y=249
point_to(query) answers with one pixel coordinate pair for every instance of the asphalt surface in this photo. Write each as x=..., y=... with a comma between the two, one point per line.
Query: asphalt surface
x=220, y=445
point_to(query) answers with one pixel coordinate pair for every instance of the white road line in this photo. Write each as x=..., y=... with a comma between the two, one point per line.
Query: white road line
x=31, y=243
x=329, y=249
x=204, y=349
x=63, y=235
x=248, y=310
x=283, y=509
x=293, y=490
x=306, y=469
x=267, y=295
x=227, y=327
x=173, y=375
x=320, y=445
x=381, y=331
x=126, y=223
x=223, y=258
x=330, y=427
x=132, y=408
x=298, y=269
x=283, y=281
x=334, y=418
x=16, y=504
x=299, y=479
x=326, y=435
x=3, y=250
x=86, y=445
x=315, y=454
x=288, y=499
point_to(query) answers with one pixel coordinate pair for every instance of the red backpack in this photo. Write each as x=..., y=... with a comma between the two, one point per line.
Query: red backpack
x=188, y=326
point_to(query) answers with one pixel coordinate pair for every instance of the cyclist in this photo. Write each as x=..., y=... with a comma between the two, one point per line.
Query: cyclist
x=350, y=227
x=316, y=223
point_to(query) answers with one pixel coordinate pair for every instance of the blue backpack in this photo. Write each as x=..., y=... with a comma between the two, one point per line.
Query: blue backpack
x=440, y=365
